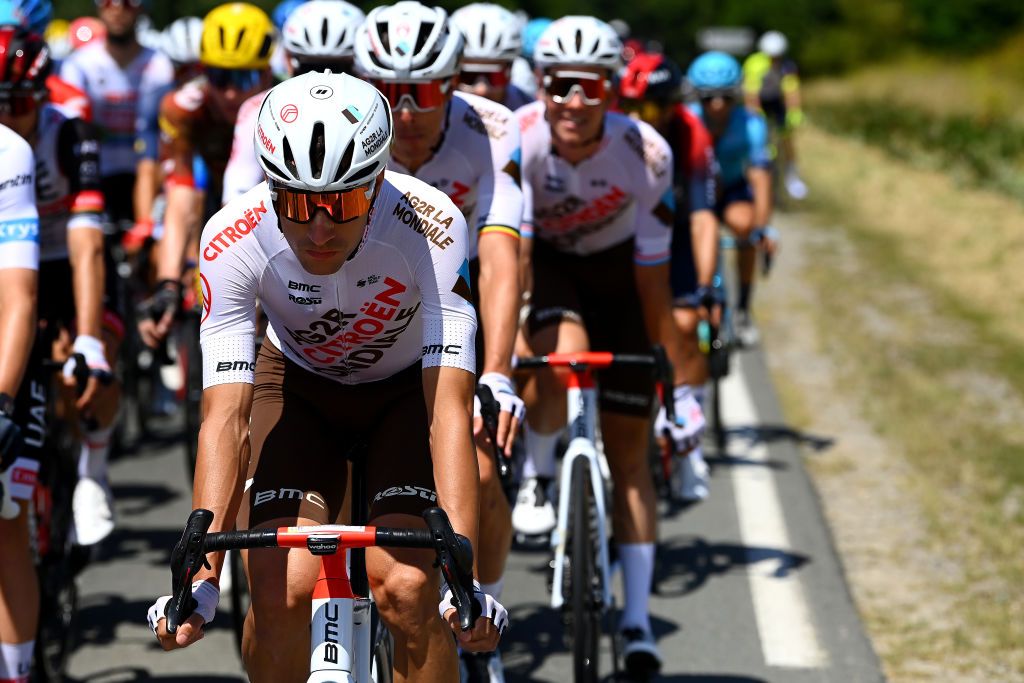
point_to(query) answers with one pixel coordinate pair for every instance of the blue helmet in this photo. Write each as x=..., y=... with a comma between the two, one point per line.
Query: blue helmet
x=531, y=34
x=283, y=11
x=35, y=15
x=715, y=71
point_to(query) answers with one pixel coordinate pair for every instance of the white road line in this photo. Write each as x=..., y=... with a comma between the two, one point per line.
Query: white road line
x=784, y=622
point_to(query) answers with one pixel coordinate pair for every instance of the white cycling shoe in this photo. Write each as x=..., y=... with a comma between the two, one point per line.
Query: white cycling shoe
x=796, y=187
x=693, y=477
x=92, y=505
x=640, y=656
x=533, y=513
x=747, y=333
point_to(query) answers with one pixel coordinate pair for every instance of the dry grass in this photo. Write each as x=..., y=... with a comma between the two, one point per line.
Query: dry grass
x=914, y=293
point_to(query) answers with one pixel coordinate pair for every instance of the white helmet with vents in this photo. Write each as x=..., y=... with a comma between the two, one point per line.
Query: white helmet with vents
x=181, y=38
x=408, y=41
x=322, y=30
x=323, y=132
x=578, y=41
x=773, y=44
x=490, y=31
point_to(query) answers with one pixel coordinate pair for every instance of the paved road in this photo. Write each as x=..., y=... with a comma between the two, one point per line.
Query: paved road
x=748, y=586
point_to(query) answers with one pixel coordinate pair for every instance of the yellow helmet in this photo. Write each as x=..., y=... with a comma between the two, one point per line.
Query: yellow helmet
x=237, y=35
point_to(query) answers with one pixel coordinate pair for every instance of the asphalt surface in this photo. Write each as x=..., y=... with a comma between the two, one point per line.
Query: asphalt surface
x=738, y=598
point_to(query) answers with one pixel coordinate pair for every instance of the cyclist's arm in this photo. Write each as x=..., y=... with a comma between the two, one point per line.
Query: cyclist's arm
x=183, y=199
x=500, y=209
x=754, y=69
x=19, y=260
x=655, y=216
x=449, y=364
x=759, y=169
x=791, y=87
x=78, y=158
x=703, y=168
x=147, y=142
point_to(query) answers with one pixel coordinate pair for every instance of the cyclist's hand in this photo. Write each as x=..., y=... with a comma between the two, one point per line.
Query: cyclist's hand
x=512, y=408
x=207, y=595
x=689, y=423
x=769, y=240
x=162, y=307
x=100, y=374
x=11, y=443
x=489, y=625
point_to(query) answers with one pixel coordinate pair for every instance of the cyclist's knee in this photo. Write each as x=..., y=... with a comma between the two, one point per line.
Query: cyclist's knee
x=405, y=591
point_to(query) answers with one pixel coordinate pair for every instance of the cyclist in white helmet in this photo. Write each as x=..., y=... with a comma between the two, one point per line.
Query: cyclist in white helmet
x=377, y=351
x=493, y=41
x=180, y=42
x=317, y=35
x=599, y=212
x=468, y=147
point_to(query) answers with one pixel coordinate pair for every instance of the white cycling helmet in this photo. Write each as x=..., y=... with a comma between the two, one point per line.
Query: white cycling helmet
x=408, y=41
x=322, y=30
x=773, y=44
x=181, y=40
x=578, y=41
x=323, y=132
x=490, y=31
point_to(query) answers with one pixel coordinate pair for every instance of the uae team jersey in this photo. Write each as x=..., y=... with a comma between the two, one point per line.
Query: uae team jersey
x=67, y=179
x=403, y=298
x=19, y=221
x=121, y=101
x=476, y=164
x=622, y=192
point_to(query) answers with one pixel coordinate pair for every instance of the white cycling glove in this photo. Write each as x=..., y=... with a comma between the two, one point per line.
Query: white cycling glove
x=504, y=393
x=689, y=424
x=490, y=608
x=8, y=508
x=207, y=595
x=95, y=358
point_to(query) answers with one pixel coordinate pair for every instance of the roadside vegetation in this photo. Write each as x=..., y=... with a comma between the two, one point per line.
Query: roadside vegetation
x=913, y=281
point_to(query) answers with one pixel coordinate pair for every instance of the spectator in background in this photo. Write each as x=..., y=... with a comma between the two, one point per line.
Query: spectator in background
x=771, y=84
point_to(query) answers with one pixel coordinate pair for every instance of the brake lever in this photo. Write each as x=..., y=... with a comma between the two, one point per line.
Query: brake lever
x=455, y=558
x=663, y=372
x=186, y=559
x=489, y=410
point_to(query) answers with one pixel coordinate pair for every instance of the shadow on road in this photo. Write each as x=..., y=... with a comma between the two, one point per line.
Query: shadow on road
x=684, y=564
x=136, y=675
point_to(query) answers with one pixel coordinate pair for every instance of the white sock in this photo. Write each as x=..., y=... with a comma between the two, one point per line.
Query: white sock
x=92, y=462
x=637, y=571
x=540, y=453
x=494, y=589
x=16, y=662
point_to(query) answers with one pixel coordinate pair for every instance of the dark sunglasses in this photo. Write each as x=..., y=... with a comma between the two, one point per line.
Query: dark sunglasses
x=494, y=77
x=239, y=79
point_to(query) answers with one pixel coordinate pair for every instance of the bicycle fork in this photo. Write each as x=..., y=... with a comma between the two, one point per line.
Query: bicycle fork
x=340, y=627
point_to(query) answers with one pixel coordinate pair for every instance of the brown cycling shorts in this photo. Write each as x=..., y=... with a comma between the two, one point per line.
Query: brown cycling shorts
x=597, y=291
x=304, y=428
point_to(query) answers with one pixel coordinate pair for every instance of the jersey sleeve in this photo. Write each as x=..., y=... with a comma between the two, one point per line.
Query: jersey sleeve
x=227, y=331
x=702, y=166
x=243, y=171
x=757, y=137
x=19, y=218
x=530, y=118
x=655, y=201
x=449, y=319
x=78, y=157
x=500, y=199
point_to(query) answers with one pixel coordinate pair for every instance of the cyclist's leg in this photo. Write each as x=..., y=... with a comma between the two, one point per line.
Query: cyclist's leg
x=287, y=490
x=400, y=485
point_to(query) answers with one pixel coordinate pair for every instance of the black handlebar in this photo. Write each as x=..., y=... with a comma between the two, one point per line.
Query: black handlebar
x=454, y=556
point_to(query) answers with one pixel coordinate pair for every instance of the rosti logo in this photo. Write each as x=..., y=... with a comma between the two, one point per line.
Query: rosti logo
x=231, y=234
x=267, y=142
x=207, y=297
x=289, y=113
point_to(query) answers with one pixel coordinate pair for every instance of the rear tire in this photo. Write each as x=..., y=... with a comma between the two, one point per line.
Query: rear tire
x=586, y=586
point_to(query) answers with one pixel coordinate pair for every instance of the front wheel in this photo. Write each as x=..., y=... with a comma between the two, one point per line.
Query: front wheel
x=382, y=670
x=586, y=593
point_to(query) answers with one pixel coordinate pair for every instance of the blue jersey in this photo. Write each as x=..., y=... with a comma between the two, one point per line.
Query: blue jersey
x=743, y=144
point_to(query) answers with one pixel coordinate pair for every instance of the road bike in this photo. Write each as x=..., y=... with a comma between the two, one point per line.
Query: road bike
x=582, y=586
x=348, y=643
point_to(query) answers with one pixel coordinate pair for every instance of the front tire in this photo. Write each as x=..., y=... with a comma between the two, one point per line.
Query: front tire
x=586, y=594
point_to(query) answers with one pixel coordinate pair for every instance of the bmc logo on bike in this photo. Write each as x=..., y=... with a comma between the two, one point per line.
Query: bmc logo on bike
x=262, y=497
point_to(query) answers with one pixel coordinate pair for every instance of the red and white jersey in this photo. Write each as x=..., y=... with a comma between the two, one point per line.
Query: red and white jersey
x=19, y=221
x=477, y=165
x=622, y=192
x=403, y=297
x=243, y=171
x=67, y=179
x=115, y=94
